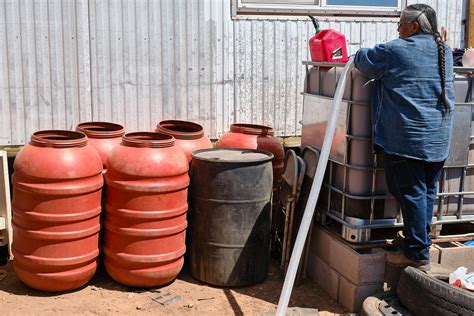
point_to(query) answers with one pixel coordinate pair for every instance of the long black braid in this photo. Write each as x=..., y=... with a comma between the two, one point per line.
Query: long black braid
x=426, y=18
x=442, y=68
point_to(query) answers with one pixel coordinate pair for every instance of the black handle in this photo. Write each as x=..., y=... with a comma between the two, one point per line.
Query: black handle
x=315, y=23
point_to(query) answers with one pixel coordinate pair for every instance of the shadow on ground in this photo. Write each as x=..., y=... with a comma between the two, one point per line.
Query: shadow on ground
x=306, y=295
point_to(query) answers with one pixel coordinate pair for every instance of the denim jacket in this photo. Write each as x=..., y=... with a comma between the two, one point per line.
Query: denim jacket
x=408, y=118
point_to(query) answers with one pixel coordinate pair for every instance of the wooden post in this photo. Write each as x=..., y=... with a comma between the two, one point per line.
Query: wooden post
x=470, y=24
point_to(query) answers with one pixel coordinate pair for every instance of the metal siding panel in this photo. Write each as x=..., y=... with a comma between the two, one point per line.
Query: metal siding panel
x=57, y=65
x=168, y=60
x=181, y=51
x=101, y=38
x=205, y=59
x=219, y=81
x=28, y=54
x=243, y=69
x=145, y=122
x=117, y=78
x=227, y=118
x=156, y=69
x=193, y=69
x=280, y=77
x=70, y=60
x=268, y=46
x=129, y=66
x=354, y=38
x=276, y=64
x=454, y=23
x=256, y=72
x=138, y=62
x=211, y=111
x=83, y=62
x=5, y=126
x=43, y=70
x=291, y=79
x=15, y=66
x=301, y=54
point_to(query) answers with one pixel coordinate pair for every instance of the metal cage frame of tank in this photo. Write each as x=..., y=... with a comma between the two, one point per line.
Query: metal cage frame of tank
x=356, y=229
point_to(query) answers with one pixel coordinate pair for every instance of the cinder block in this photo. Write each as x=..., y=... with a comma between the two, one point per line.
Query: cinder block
x=392, y=276
x=359, y=266
x=434, y=254
x=455, y=254
x=324, y=276
x=352, y=296
x=321, y=241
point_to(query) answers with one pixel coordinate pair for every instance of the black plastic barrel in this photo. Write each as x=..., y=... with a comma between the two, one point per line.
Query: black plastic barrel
x=230, y=222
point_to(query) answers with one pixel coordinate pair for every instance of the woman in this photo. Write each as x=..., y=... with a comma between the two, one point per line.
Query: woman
x=412, y=106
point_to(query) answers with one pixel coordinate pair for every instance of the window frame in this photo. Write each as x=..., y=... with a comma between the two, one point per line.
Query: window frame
x=242, y=9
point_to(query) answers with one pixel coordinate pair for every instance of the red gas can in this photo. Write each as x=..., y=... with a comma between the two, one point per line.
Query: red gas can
x=328, y=46
x=188, y=136
x=56, y=208
x=147, y=180
x=103, y=136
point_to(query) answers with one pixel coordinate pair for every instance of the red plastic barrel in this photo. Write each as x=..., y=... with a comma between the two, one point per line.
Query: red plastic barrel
x=57, y=183
x=147, y=180
x=328, y=46
x=103, y=136
x=259, y=137
x=188, y=136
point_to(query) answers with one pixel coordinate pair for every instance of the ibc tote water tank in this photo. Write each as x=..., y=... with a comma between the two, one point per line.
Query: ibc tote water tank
x=230, y=226
x=57, y=183
x=147, y=180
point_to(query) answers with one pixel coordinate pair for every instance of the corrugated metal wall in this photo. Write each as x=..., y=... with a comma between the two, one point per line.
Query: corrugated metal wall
x=137, y=62
x=45, y=77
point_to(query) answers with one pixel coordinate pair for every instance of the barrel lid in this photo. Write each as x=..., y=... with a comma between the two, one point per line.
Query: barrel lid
x=232, y=155
x=180, y=129
x=101, y=129
x=252, y=129
x=147, y=140
x=58, y=139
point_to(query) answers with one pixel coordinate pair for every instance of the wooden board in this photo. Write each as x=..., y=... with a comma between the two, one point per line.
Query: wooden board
x=470, y=25
x=5, y=203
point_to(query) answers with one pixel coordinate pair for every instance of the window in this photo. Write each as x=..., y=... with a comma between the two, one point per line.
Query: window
x=319, y=7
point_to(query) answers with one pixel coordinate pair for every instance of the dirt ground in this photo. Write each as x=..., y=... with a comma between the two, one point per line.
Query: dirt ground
x=103, y=296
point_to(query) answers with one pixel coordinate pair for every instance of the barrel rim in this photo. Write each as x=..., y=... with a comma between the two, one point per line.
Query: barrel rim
x=58, y=138
x=269, y=155
x=180, y=129
x=252, y=129
x=148, y=140
x=101, y=129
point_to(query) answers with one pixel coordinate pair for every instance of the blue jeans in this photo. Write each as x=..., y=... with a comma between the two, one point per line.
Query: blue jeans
x=413, y=183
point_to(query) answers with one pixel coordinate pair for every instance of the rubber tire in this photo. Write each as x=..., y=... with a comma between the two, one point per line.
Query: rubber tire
x=425, y=295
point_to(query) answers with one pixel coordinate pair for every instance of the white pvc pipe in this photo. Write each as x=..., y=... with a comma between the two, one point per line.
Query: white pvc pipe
x=314, y=194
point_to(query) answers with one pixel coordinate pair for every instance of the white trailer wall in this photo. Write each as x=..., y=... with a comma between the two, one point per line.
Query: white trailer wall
x=138, y=62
